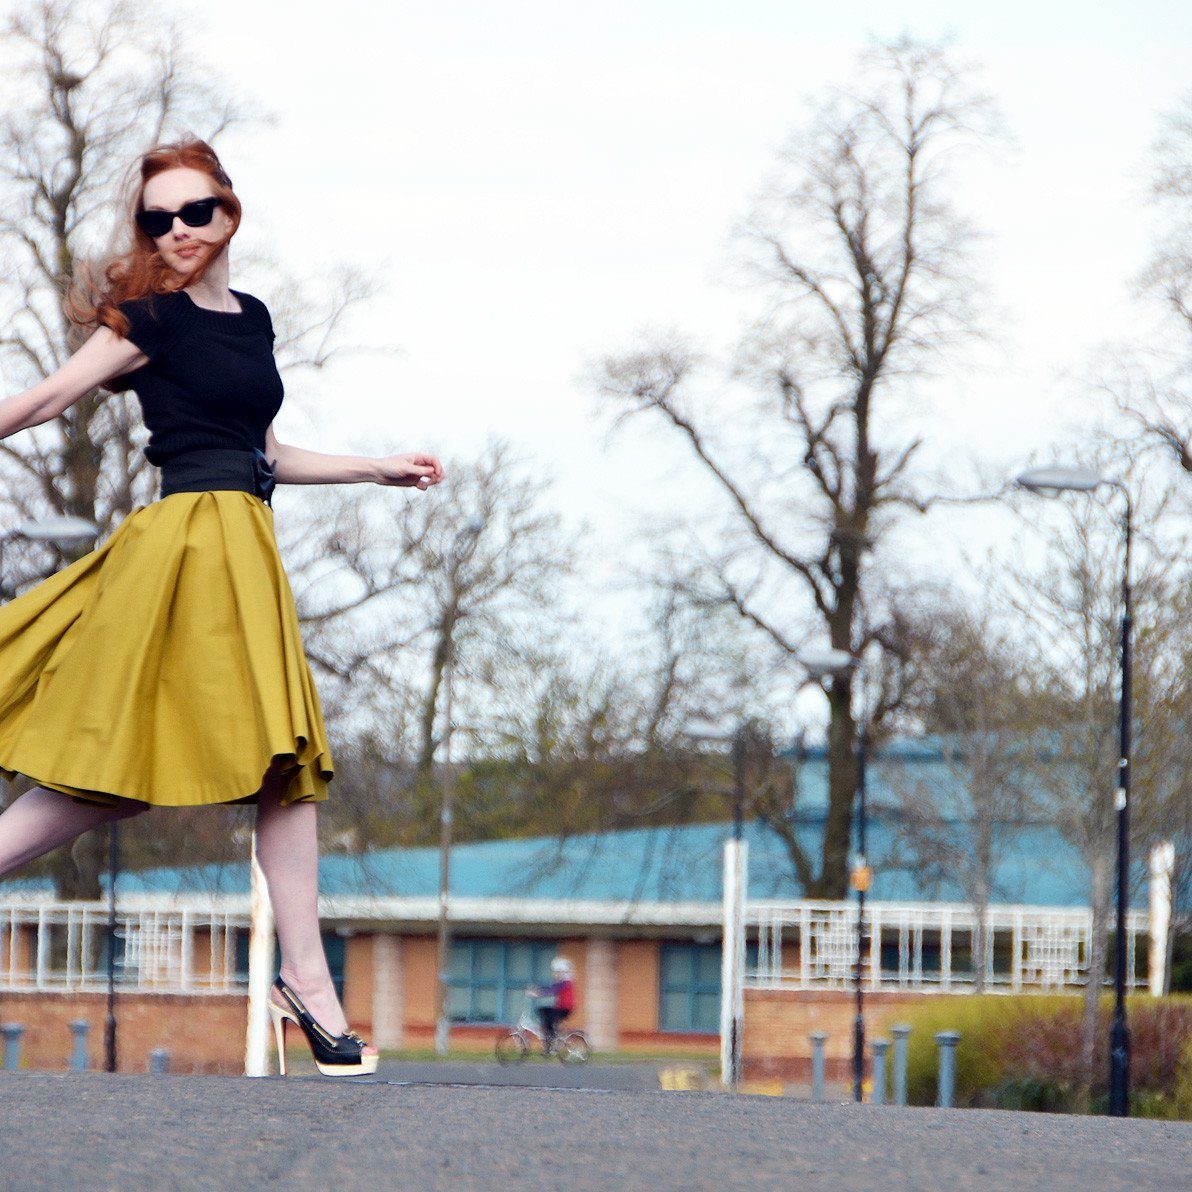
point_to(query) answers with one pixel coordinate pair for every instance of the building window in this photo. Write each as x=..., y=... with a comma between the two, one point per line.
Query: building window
x=333, y=946
x=689, y=997
x=488, y=977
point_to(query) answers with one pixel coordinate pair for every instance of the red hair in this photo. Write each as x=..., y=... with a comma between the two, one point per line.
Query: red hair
x=137, y=269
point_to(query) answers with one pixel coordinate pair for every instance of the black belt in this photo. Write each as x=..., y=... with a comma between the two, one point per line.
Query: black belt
x=238, y=468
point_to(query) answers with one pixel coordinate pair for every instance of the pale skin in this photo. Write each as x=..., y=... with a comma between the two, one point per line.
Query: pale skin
x=287, y=837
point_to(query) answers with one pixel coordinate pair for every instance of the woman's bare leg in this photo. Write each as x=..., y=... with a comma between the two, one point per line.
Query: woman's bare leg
x=41, y=820
x=288, y=850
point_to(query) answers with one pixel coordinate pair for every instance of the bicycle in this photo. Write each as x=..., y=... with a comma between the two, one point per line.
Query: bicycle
x=569, y=1047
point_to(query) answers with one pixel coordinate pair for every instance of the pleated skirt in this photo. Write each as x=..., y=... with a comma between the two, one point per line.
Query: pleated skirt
x=166, y=665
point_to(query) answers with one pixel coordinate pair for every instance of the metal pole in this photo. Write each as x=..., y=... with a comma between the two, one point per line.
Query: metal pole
x=818, y=1039
x=732, y=1005
x=880, y=1048
x=78, y=1050
x=1162, y=864
x=861, y=881
x=732, y=954
x=260, y=969
x=1119, y=1035
x=446, y=815
x=946, y=1086
x=12, y=1032
x=109, y=1035
x=901, y=1033
x=739, y=783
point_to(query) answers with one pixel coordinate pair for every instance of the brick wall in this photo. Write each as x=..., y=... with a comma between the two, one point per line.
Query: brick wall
x=779, y=1021
x=637, y=986
x=358, y=983
x=202, y=1034
x=419, y=962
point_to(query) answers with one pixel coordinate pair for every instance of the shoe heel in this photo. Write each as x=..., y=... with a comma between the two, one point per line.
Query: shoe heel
x=279, y=1017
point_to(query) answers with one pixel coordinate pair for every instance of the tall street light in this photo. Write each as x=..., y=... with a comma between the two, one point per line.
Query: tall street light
x=1052, y=481
x=461, y=549
x=841, y=664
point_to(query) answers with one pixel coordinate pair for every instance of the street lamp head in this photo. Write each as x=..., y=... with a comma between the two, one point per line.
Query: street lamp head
x=1058, y=478
x=59, y=530
x=819, y=663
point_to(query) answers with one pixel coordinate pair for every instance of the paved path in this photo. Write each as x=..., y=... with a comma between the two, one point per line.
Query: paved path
x=534, y=1073
x=98, y=1132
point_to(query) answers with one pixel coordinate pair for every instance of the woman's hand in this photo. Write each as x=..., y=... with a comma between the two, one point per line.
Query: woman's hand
x=415, y=470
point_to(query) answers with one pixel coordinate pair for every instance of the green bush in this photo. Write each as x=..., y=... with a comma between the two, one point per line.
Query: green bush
x=1023, y=1052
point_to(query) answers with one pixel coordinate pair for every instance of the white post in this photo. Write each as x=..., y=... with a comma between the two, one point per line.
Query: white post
x=732, y=962
x=1162, y=867
x=600, y=994
x=260, y=972
x=388, y=1022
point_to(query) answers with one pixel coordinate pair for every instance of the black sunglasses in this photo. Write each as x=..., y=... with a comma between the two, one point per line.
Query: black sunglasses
x=194, y=215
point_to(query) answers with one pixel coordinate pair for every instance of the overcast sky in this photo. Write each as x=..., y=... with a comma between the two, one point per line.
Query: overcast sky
x=538, y=182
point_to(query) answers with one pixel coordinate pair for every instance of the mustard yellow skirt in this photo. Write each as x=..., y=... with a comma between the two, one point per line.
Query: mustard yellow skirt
x=166, y=665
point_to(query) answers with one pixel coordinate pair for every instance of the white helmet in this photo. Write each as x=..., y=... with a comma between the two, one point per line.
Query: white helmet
x=561, y=965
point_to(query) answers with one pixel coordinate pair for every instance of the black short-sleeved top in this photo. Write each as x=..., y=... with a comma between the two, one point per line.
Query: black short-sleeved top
x=211, y=380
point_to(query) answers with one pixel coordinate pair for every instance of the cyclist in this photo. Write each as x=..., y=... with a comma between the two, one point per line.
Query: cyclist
x=561, y=993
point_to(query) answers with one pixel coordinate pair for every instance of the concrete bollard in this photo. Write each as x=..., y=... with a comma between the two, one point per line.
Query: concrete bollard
x=159, y=1061
x=818, y=1039
x=12, y=1032
x=900, y=1034
x=78, y=1047
x=880, y=1047
x=947, y=1041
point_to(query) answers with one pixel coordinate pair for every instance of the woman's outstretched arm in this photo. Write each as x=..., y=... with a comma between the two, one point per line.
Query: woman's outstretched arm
x=102, y=356
x=296, y=465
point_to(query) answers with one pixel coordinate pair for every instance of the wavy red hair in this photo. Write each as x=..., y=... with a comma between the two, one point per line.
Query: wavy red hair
x=135, y=269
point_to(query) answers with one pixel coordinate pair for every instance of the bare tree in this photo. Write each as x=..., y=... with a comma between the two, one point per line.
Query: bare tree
x=1154, y=391
x=391, y=600
x=867, y=275
x=970, y=692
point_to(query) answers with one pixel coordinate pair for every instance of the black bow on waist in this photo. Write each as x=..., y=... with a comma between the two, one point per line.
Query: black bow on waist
x=263, y=475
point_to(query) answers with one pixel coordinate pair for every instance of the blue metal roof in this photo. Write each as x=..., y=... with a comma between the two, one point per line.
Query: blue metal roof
x=671, y=864
x=683, y=863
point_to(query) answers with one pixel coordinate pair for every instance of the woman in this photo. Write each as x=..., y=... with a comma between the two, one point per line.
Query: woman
x=165, y=668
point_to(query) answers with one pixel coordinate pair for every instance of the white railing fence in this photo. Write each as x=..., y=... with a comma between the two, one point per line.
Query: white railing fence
x=202, y=946
x=63, y=946
x=928, y=946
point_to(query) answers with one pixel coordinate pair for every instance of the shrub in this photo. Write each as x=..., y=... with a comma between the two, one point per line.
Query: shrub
x=1024, y=1051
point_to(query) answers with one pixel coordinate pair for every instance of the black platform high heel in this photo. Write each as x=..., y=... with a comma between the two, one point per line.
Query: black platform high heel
x=334, y=1055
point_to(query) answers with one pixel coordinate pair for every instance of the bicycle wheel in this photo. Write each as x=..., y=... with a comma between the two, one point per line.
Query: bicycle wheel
x=512, y=1048
x=573, y=1048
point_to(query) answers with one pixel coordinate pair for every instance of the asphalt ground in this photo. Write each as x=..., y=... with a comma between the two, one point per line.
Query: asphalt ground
x=534, y=1073
x=62, y=1131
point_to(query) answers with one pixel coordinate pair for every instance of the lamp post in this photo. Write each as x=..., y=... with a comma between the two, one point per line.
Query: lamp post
x=461, y=548
x=841, y=664
x=1052, y=481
